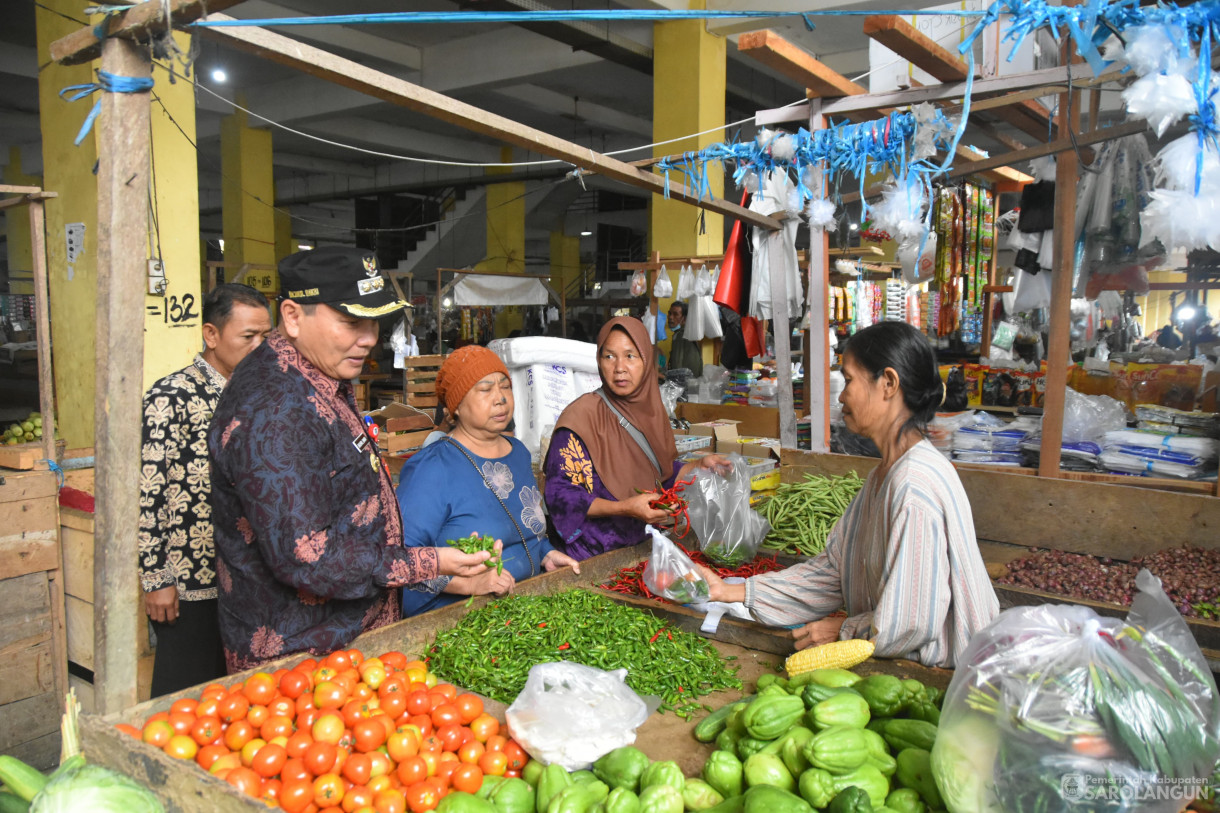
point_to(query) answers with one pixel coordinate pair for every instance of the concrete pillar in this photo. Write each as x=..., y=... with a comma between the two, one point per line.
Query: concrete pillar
x=247, y=197
x=505, y=236
x=17, y=229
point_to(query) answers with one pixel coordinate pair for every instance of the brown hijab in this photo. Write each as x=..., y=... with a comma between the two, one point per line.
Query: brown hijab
x=620, y=462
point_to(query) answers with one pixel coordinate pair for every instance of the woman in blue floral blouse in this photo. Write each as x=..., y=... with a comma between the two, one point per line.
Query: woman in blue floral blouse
x=476, y=481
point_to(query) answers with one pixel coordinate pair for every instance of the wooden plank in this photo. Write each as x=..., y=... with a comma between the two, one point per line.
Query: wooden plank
x=817, y=341
x=20, y=487
x=796, y=63
x=345, y=72
x=406, y=440
x=76, y=548
x=25, y=612
x=35, y=519
x=123, y=181
x=78, y=618
x=41, y=753
x=76, y=519
x=916, y=47
x=59, y=632
x=783, y=353
x=1052, y=148
x=21, y=457
x=42, y=322
x=28, y=719
x=22, y=554
x=731, y=630
x=140, y=22
x=25, y=671
x=408, y=423
x=413, y=362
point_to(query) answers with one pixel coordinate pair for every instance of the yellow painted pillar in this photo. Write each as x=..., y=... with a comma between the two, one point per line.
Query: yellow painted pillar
x=505, y=237
x=173, y=321
x=565, y=260
x=17, y=229
x=284, y=244
x=72, y=271
x=247, y=197
x=688, y=85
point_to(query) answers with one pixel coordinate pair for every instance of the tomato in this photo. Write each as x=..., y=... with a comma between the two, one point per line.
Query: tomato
x=431, y=743
x=516, y=755
x=382, y=766
x=356, y=656
x=257, y=715
x=184, y=705
x=446, y=714
x=328, y=790
x=445, y=770
x=208, y=754
x=181, y=746
x=245, y=780
x=412, y=769
x=421, y=796
x=496, y=742
x=470, y=752
x=298, y=742
x=306, y=719
x=358, y=797
x=389, y=801
x=226, y=762
x=431, y=759
x=469, y=706
x=493, y=763
x=293, y=684
x=423, y=722
x=379, y=783
x=372, y=674
x=320, y=758
x=338, y=660
x=306, y=666
x=206, y=730
x=393, y=659
x=213, y=690
x=393, y=704
x=467, y=779
x=208, y=707
x=358, y=769
x=402, y=744
x=296, y=795
x=450, y=737
x=270, y=791
x=322, y=675
x=441, y=784
x=260, y=688
x=368, y=735
x=447, y=689
x=233, y=707
x=276, y=726
x=129, y=730
x=157, y=733
x=418, y=702
x=329, y=695
x=484, y=726
x=435, y=701
x=354, y=711
x=294, y=769
x=250, y=749
x=269, y=760
x=512, y=774
x=238, y=734
x=282, y=707
x=328, y=727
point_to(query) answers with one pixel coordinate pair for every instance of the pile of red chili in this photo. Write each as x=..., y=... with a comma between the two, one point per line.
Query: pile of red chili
x=629, y=580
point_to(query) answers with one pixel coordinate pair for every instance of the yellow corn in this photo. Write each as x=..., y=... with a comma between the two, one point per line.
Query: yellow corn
x=835, y=655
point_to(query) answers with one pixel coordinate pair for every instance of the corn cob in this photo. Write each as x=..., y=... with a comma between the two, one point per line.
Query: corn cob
x=835, y=655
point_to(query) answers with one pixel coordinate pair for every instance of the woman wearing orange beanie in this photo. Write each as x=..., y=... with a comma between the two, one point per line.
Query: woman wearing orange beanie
x=476, y=480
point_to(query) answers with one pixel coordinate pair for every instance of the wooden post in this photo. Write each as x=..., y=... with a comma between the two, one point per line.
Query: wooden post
x=817, y=370
x=42, y=325
x=123, y=170
x=440, y=350
x=1059, y=343
x=783, y=347
x=988, y=296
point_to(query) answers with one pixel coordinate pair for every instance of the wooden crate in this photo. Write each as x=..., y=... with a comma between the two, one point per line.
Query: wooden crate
x=76, y=543
x=185, y=788
x=33, y=661
x=419, y=380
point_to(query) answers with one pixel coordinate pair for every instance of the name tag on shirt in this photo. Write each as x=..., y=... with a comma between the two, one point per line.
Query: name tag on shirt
x=361, y=443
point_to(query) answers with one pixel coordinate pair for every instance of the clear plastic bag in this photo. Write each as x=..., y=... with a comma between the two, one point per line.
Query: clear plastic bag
x=671, y=574
x=1054, y=708
x=1088, y=417
x=571, y=714
x=686, y=283
x=728, y=529
x=639, y=283
x=663, y=288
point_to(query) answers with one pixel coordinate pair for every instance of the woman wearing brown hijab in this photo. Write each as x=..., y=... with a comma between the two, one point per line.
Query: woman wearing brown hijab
x=611, y=445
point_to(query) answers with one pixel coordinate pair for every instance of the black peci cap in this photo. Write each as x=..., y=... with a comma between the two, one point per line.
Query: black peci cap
x=345, y=278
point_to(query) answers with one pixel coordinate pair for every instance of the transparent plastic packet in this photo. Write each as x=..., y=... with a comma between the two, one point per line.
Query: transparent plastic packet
x=728, y=529
x=671, y=574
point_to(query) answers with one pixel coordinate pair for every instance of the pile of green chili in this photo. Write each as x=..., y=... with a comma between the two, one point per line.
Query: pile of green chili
x=492, y=648
x=802, y=514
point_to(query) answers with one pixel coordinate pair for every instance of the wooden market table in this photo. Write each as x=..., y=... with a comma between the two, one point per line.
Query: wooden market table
x=184, y=787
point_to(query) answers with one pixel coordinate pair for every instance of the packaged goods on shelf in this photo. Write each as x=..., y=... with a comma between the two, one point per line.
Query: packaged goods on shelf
x=1156, y=454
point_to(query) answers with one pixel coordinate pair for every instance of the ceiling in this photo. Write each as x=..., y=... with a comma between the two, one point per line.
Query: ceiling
x=603, y=100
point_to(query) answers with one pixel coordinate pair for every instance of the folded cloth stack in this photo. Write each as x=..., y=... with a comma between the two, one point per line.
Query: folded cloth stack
x=1073, y=456
x=1177, y=421
x=1158, y=454
x=999, y=446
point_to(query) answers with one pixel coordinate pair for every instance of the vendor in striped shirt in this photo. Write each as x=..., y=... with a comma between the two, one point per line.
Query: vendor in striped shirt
x=903, y=562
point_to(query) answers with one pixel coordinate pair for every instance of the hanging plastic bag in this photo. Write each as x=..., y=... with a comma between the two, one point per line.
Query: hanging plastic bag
x=1056, y=708
x=663, y=288
x=703, y=282
x=650, y=324
x=639, y=283
x=1088, y=417
x=693, y=327
x=571, y=714
x=1031, y=291
x=709, y=317
x=671, y=574
x=686, y=283
x=728, y=529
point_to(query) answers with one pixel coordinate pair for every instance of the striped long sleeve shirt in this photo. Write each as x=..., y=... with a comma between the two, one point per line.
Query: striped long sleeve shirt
x=903, y=562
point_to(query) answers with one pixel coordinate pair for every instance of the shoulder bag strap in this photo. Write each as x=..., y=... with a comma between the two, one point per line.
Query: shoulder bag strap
x=635, y=434
x=524, y=543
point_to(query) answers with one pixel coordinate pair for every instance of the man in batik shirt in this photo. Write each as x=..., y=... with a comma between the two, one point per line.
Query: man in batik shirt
x=308, y=534
x=177, y=557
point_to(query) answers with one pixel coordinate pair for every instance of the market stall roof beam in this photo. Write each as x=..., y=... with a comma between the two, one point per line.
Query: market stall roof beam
x=792, y=61
x=325, y=65
x=138, y=22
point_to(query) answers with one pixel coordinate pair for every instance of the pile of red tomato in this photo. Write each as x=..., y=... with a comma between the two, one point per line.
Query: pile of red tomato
x=377, y=734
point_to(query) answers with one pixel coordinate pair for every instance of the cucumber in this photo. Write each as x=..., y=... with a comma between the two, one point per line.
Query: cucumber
x=20, y=778
x=710, y=726
x=12, y=803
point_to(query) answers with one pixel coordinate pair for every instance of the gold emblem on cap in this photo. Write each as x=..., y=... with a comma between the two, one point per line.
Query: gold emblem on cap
x=370, y=265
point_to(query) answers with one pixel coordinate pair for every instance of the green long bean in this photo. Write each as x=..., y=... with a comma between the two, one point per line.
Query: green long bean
x=803, y=514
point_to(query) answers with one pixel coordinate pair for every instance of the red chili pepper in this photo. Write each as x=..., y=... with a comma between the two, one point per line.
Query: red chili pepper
x=564, y=646
x=654, y=638
x=542, y=626
x=680, y=689
x=669, y=635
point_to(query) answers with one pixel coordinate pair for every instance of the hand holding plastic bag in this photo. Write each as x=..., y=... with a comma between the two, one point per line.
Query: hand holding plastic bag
x=671, y=574
x=1053, y=708
x=728, y=529
x=572, y=714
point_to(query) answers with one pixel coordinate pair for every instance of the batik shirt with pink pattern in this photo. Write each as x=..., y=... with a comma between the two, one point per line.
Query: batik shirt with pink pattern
x=308, y=535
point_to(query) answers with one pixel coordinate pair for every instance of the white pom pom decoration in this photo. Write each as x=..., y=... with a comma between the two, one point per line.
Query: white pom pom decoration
x=764, y=138
x=1161, y=99
x=750, y=182
x=1181, y=219
x=821, y=213
x=1154, y=48
x=1176, y=165
x=900, y=211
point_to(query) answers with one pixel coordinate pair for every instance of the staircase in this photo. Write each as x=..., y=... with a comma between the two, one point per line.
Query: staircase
x=458, y=240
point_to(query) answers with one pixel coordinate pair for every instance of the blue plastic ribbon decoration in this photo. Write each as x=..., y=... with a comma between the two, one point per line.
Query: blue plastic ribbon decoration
x=109, y=82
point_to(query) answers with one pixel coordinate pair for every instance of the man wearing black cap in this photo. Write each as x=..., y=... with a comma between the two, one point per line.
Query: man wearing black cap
x=308, y=535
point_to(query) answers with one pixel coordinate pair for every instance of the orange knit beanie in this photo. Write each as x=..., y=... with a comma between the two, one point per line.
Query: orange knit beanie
x=464, y=368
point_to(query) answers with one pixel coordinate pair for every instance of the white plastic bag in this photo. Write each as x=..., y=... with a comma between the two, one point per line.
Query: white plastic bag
x=1031, y=292
x=728, y=529
x=671, y=574
x=663, y=288
x=571, y=714
x=1088, y=417
x=686, y=283
x=703, y=282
